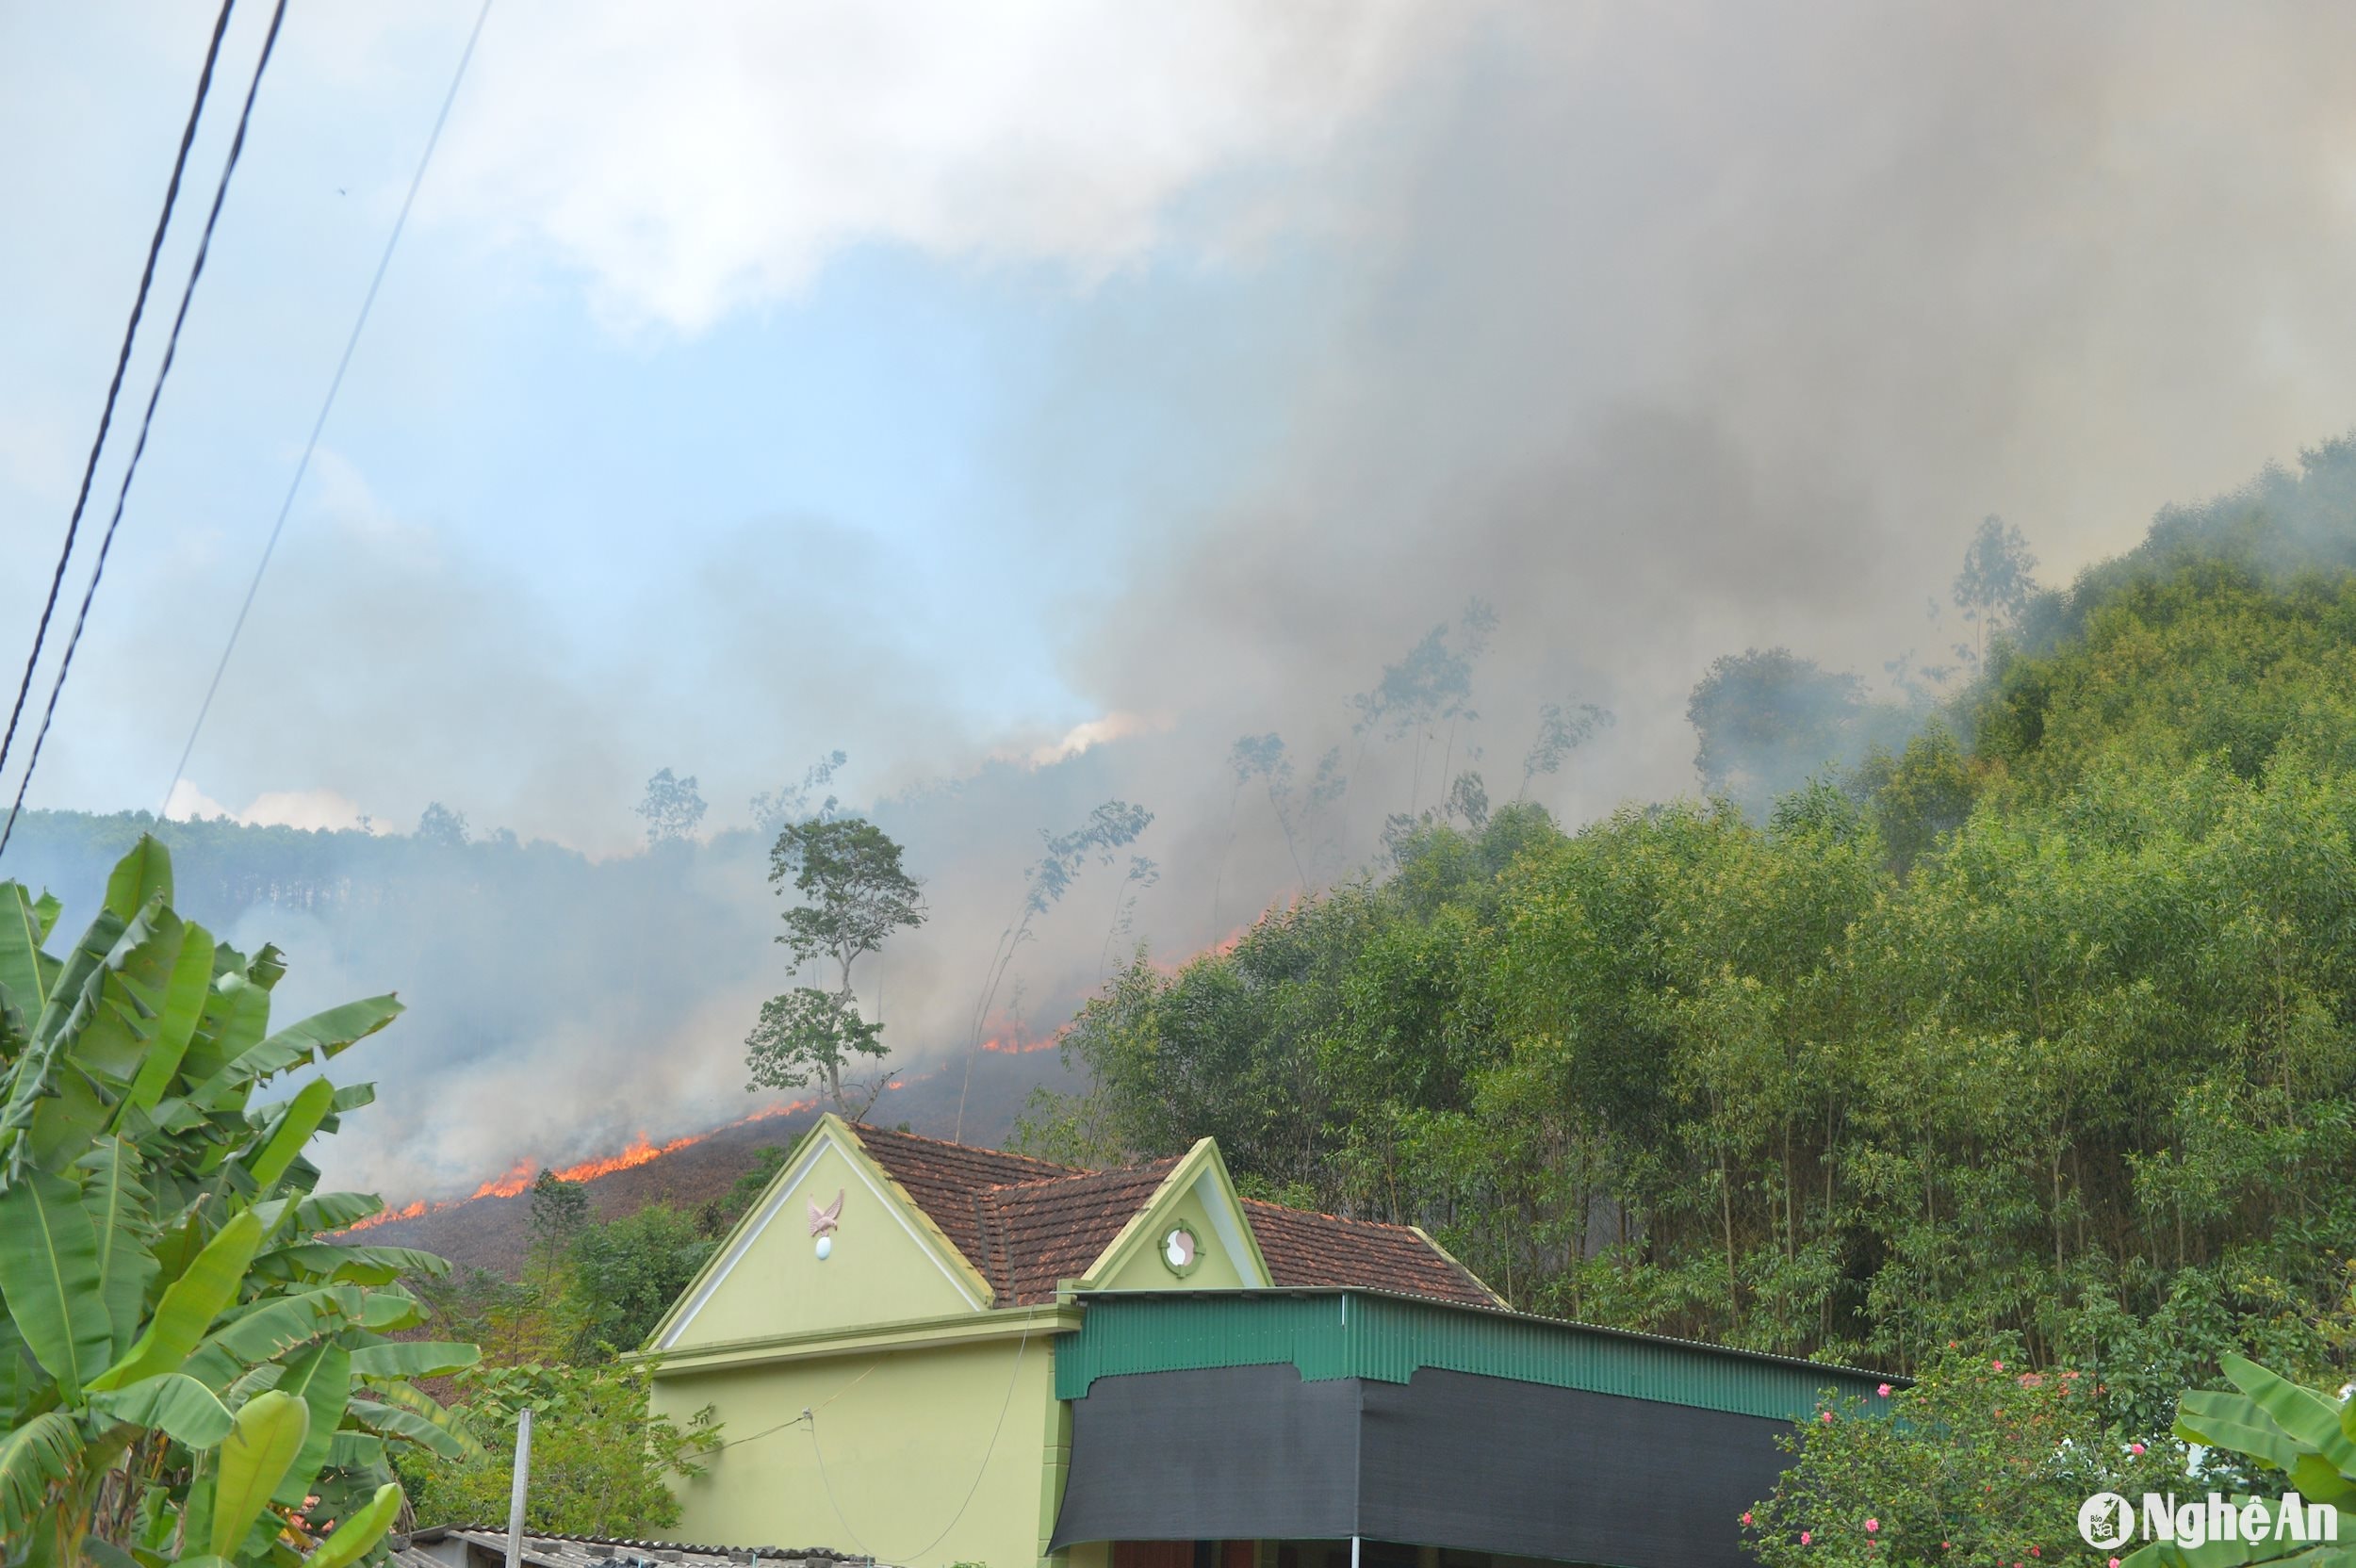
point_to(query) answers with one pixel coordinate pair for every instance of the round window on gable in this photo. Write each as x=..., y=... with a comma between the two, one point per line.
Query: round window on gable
x=1181, y=1253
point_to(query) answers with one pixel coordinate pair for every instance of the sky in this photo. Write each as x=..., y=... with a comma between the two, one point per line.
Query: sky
x=991, y=391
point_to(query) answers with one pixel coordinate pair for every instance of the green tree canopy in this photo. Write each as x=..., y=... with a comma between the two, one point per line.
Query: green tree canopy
x=855, y=894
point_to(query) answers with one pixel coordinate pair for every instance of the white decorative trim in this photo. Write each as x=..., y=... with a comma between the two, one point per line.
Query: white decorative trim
x=1225, y=1213
x=769, y=1211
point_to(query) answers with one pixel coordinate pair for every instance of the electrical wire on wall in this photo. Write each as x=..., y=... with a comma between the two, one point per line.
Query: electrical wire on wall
x=1013, y=1380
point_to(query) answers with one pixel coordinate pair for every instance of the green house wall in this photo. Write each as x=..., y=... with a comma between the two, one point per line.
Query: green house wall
x=922, y=1455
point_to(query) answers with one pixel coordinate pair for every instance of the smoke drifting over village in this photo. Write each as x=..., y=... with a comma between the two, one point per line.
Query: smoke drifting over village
x=1373, y=384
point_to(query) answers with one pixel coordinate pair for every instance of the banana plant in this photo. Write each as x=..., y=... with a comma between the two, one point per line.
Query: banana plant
x=193, y=1368
x=2308, y=1437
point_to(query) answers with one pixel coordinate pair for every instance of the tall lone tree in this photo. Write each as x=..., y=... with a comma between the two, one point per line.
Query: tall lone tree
x=855, y=895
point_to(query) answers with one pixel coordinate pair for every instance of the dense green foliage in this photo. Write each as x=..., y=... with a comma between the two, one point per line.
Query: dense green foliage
x=1981, y=1462
x=190, y=1369
x=2041, y=1025
x=601, y=1465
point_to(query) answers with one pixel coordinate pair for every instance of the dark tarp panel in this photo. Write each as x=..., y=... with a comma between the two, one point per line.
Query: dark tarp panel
x=1452, y=1458
x=1225, y=1453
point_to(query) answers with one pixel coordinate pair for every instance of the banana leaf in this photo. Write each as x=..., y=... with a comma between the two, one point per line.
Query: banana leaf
x=49, y=1275
x=290, y=1130
x=181, y=1009
x=190, y=1304
x=172, y=1402
x=322, y=1378
x=116, y=1205
x=358, y=1535
x=334, y=1211
x=366, y=1266
x=25, y=969
x=274, y=1328
x=438, y=1430
x=140, y=878
x=236, y=1016
x=351, y=1450
x=2236, y=1421
x=251, y=1463
x=315, y=1039
x=32, y=1457
x=2303, y=1413
x=413, y=1357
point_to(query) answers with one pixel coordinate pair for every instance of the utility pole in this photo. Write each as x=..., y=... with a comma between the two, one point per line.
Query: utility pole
x=522, y=1484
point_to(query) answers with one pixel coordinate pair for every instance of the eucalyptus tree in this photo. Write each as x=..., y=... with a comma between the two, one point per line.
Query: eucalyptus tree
x=672, y=807
x=773, y=810
x=1110, y=827
x=1996, y=583
x=1561, y=731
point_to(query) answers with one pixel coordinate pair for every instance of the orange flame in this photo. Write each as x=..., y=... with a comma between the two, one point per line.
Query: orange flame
x=518, y=1176
x=386, y=1217
x=518, y=1179
x=1014, y=1045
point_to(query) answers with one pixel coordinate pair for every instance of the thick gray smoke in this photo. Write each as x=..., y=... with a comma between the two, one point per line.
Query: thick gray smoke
x=1660, y=333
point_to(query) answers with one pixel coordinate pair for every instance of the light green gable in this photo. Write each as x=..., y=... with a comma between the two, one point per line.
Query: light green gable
x=887, y=1264
x=1199, y=1195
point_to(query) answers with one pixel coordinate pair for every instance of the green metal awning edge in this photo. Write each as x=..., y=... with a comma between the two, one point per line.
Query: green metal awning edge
x=1389, y=1337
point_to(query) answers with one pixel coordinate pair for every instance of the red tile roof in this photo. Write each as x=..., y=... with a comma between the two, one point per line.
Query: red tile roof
x=1025, y=1224
x=943, y=1178
x=1306, y=1248
x=1042, y=1231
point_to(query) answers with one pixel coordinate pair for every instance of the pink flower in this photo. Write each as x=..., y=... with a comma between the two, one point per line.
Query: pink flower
x=2135, y=1449
x=2114, y=1562
x=1806, y=1538
x=1746, y=1518
x=2036, y=1551
x=1872, y=1525
x=1826, y=1416
x=1883, y=1391
x=2000, y=1366
x=1946, y=1545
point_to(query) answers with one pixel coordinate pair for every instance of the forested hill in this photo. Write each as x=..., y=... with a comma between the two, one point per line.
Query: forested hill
x=2042, y=1024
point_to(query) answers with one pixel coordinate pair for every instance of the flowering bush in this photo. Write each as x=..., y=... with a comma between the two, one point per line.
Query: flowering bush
x=1980, y=1464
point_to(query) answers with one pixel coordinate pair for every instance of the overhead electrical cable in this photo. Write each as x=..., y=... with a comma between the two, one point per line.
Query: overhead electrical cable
x=114, y=387
x=147, y=419
x=327, y=405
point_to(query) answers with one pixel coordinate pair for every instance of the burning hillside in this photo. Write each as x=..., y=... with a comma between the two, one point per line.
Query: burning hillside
x=490, y=1227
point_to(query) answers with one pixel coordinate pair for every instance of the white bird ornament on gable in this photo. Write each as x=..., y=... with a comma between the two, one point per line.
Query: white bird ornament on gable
x=823, y=1223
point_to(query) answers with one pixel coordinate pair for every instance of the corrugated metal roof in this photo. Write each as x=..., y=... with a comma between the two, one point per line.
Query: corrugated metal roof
x=1354, y=1334
x=459, y=1546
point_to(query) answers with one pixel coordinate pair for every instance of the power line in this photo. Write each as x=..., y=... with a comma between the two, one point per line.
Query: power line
x=172, y=344
x=122, y=363
x=327, y=405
